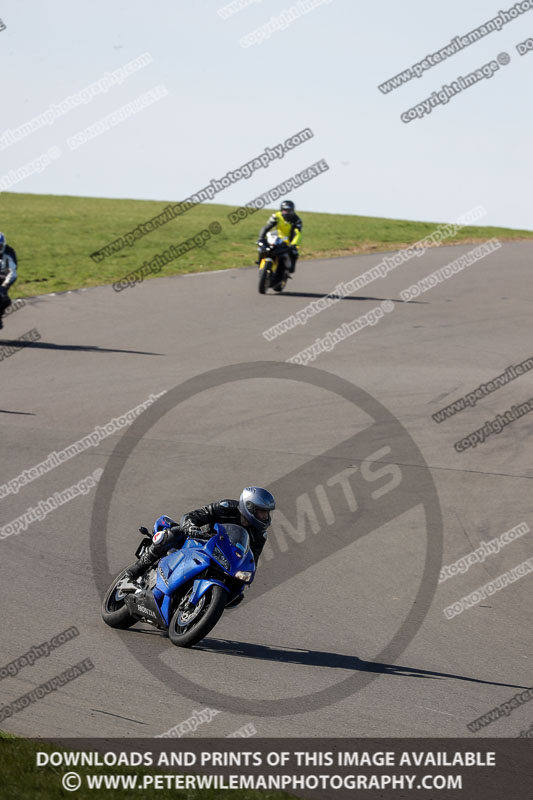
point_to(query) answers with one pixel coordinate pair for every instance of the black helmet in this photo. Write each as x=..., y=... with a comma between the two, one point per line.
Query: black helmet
x=252, y=500
x=288, y=210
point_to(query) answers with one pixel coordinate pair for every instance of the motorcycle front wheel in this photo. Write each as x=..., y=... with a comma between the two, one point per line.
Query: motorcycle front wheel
x=189, y=624
x=264, y=274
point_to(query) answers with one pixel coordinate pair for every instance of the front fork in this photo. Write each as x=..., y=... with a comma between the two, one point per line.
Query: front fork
x=264, y=260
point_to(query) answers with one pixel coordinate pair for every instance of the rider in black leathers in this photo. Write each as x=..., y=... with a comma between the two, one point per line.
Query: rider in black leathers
x=8, y=274
x=252, y=511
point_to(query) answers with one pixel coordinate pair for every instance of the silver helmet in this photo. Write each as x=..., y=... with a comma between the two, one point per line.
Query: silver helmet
x=252, y=500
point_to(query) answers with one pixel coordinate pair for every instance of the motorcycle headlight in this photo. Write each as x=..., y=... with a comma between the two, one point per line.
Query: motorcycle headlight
x=243, y=576
x=221, y=558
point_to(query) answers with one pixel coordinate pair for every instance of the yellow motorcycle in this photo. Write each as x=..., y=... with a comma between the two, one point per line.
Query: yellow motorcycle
x=273, y=273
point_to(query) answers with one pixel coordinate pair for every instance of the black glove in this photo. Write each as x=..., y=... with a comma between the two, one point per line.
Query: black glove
x=261, y=244
x=199, y=533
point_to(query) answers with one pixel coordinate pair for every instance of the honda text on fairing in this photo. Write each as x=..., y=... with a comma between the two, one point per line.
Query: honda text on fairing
x=188, y=590
x=273, y=272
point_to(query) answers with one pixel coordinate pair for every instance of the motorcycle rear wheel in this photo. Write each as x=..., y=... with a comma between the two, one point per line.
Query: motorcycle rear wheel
x=114, y=610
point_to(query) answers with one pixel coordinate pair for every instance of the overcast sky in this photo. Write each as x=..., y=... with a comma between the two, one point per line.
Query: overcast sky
x=223, y=103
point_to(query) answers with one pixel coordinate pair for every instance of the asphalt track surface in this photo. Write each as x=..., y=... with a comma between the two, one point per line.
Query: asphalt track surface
x=102, y=353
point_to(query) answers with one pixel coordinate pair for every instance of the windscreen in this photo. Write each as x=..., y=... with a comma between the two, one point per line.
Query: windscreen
x=239, y=538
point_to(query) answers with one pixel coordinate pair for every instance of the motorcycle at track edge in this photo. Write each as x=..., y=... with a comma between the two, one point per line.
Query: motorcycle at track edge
x=5, y=302
x=186, y=591
x=273, y=273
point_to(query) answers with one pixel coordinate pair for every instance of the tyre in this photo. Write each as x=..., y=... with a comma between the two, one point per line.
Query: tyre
x=264, y=275
x=114, y=610
x=188, y=626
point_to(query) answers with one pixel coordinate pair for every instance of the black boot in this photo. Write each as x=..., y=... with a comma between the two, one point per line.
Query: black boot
x=146, y=561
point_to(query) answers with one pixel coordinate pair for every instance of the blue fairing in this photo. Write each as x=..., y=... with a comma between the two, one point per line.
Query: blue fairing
x=228, y=548
x=248, y=565
x=180, y=566
x=163, y=603
x=200, y=587
x=163, y=522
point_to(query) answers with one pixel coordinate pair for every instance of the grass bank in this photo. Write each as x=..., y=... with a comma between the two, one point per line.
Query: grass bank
x=55, y=235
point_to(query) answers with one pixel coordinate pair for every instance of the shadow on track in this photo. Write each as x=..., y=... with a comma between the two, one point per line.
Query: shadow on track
x=339, y=297
x=26, y=413
x=19, y=344
x=319, y=658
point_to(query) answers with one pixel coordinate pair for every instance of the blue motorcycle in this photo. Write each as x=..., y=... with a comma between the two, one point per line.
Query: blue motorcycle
x=187, y=591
